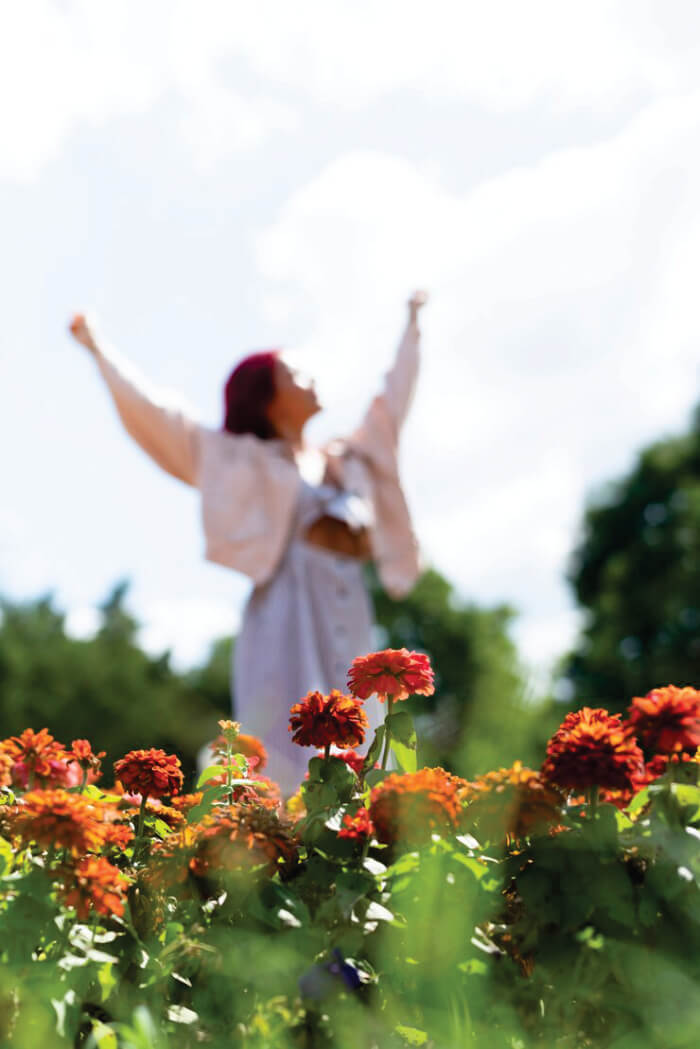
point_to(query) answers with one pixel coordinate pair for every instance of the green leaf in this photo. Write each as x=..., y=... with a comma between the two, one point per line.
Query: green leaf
x=211, y=796
x=411, y=1035
x=475, y=966
x=409, y=862
x=406, y=756
x=688, y=796
x=339, y=774
x=375, y=776
x=240, y=761
x=107, y=980
x=5, y=857
x=375, y=749
x=402, y=728
x=479, y=870
x=162, y=829
x=101, y=1037
x=623, y=821
x=638, y=802
x=210, y=773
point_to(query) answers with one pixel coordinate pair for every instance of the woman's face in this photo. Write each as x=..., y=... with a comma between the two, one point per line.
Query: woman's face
x=294, y=401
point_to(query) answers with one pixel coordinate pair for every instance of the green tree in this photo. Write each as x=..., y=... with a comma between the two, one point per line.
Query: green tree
x=105, y=689
x=636, y=572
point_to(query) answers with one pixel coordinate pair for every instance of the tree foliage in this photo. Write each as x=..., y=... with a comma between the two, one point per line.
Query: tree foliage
x=105, y=689
x=636, y=572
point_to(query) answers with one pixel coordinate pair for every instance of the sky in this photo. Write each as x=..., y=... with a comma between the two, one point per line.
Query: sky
x=214, y=177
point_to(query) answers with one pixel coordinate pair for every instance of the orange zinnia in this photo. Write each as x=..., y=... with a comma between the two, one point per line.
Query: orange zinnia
x=321, y=721
x=408, y=809
x=395, y=672
x=243, y=838
x=37, y=756
x=81, y=752
x=667, y=720
x=6, y=764
x=511, y=803
x=57, y=819
x=95, y=883
x=151, y=773
x=592, y=748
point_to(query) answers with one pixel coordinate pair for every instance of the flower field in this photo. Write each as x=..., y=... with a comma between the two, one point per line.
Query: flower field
x=383, y=905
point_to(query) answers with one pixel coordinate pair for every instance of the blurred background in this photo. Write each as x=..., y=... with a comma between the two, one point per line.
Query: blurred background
x=211, y=178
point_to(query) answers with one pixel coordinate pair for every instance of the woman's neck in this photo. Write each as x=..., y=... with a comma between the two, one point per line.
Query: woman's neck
x=292, y=437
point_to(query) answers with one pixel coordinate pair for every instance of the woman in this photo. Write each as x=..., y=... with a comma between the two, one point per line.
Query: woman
x=298, y=521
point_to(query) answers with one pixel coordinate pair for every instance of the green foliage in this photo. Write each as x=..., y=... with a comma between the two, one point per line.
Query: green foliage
x=636, y=573
x=587, y=938
x=95, y=689
x=481, y=715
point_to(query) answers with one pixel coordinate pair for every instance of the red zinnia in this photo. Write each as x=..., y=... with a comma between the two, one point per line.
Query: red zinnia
x=592, y=748
x=149, y=772
x=395, y=672
x=95, y=883
x=667, y=720
x=358, y=827
x=321, y=721
x=408, y=809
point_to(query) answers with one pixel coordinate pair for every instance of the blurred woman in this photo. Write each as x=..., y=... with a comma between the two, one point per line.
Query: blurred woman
x=299, y=521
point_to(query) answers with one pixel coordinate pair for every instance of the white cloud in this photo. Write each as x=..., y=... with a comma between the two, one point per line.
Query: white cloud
x=242, y=73
x=501, y=55
x=187, y=625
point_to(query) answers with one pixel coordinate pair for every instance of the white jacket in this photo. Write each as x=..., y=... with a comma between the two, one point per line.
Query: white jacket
x=249, y=488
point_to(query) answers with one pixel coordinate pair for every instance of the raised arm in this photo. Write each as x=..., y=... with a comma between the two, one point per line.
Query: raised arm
x=400, y=380
x=376, y=438
x=162, y=429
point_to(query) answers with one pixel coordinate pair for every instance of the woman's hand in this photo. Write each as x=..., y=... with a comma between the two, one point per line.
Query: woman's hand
x=416, y=303
x=83, y=333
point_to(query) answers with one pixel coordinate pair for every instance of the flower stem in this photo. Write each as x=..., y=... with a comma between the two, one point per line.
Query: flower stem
x=229, y=777
x=387, y=731
x=327, y=752
x=142, y=816
x=593, y=793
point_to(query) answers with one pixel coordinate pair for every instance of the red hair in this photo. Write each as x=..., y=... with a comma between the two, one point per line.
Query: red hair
x=249, y=389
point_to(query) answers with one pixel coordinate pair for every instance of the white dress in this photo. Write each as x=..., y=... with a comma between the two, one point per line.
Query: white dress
x=309, y=613
x=301, y=631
